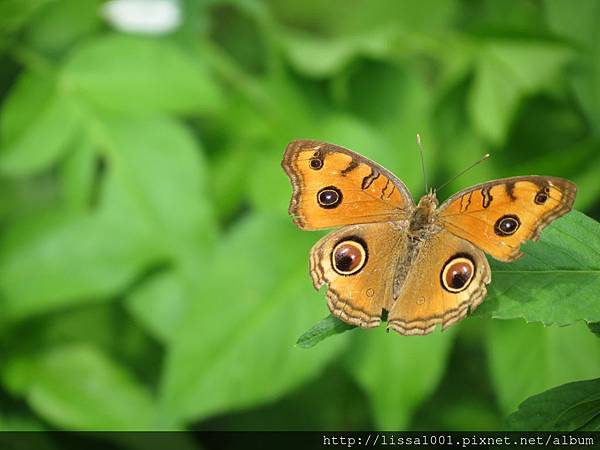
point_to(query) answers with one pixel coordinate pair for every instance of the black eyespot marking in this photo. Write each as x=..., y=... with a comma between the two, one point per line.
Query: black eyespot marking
x=542, y=196
x=507, y=225
x=329, y=197
x=457, y=273
x=316, y=163
x=349, y=256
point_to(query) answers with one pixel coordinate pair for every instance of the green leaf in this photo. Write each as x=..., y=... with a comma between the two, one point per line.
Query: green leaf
x=78, y=387
x=160, y=167
x=15, y=13
x=318, y=57
x=506, y=73
x=157, y=181
x=160, y=171
x=459, y=141
x=557, y=280
x=592, y=425
x=36, y=271
x=578, y=24
x=529, y=358
x=397, y=372
x=337, y=35
x=568, y=407
x=61, y=23
x=329, y=326
x=24, y=103
x=334, y=19
x=43, y=141
x=228, y=180
x=77, y=175
x=397, y=95
x=586, y=82
x=159, y=304
x=235, y=345
x=586, y=178
x=531, y=64
x=139, y=75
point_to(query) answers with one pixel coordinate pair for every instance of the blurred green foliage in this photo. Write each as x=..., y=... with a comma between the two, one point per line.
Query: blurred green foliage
x=149, y=275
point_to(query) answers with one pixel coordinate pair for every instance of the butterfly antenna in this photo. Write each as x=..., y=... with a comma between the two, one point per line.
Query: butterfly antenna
x=422, y=162
x=486, y=156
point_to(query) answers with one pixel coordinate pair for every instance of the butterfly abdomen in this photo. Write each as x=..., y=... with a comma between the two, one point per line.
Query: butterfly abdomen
x=411, y=250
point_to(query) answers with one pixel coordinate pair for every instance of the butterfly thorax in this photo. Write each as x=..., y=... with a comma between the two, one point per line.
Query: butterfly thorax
x=423, y=217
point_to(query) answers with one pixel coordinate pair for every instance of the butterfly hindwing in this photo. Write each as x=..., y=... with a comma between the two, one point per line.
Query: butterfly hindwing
x=446, y=280
x=358, y=264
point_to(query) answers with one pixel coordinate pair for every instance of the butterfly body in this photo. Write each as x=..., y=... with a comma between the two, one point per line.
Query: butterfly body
x=424, y=264
x=423, y=218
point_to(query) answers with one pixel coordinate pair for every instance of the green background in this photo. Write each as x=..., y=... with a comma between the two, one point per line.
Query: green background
x=150, y=277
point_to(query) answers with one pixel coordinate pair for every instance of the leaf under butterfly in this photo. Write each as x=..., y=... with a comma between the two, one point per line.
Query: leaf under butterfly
x=329, y=326
x=556, y=282
x=569, y=407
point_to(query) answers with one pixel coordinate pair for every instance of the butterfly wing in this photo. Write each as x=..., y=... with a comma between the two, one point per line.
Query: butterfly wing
x=334, y=186
x=358, y=263
x=446, y=280
x=500, y=215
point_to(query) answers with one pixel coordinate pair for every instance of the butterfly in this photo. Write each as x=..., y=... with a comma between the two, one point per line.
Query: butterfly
x=421, y=264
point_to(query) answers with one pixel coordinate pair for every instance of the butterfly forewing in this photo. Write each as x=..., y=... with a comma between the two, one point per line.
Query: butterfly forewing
x=334, y=186
x=501, y=215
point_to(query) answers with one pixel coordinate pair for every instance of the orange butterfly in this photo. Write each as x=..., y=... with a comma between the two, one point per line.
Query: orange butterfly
x=422, y=263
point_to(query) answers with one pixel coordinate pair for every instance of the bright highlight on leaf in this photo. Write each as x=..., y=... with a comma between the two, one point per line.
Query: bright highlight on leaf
x=143, y=16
